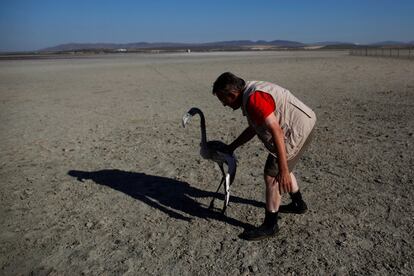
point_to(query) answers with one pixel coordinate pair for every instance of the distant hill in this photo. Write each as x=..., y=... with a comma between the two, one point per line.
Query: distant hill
x=339, y=46
x=390, y=43
x=164, y=45
x=218, y=45
x=328, y=43
x=110, y=46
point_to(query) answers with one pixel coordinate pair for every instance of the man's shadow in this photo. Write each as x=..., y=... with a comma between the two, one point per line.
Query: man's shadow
x=173, y=197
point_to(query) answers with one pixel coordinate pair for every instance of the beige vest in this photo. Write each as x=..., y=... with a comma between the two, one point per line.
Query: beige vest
x=294, y=117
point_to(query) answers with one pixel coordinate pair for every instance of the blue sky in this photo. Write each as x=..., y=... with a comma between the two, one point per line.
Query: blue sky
x=36, y=24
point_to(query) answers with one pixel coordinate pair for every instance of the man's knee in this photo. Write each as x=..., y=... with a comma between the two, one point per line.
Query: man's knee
x=270, y=181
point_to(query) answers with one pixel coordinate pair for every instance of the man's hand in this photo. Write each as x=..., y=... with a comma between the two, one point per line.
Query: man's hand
x=285, y=182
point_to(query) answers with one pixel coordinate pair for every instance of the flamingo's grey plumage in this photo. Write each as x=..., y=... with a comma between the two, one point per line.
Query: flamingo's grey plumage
x=214, y=150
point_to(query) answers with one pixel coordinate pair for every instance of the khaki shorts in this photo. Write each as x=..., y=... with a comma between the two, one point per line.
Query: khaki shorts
x=272, y=167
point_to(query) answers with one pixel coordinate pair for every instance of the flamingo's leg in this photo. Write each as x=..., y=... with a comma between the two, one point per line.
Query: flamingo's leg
x=226, y=192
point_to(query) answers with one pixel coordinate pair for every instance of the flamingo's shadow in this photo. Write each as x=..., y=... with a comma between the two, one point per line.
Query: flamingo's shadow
x=173, y=197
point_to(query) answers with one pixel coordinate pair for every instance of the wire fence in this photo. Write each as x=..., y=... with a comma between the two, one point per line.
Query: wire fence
x=384, y=52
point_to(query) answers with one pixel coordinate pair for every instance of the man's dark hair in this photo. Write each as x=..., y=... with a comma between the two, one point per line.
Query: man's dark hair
x=228, y=82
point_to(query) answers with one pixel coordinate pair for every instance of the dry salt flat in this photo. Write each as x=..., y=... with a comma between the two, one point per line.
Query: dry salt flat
x=98, y=177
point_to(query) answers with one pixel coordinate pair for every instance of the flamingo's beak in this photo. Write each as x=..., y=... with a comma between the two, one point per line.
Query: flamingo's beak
x=186, y=119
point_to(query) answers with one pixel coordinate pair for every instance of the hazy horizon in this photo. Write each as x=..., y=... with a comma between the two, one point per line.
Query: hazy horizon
x=33, y=25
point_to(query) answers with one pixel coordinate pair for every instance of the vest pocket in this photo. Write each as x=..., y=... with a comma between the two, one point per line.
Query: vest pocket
x=292, y=143
x=305, y=110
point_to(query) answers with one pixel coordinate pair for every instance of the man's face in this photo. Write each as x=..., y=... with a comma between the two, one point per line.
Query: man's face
x=232, y=99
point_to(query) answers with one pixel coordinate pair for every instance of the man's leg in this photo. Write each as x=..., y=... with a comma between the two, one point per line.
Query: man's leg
x=295, y=186
x=273, y=197
x=297, y=206
x=269, y=226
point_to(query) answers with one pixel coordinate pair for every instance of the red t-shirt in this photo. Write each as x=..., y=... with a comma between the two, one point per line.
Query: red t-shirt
x=259, y=106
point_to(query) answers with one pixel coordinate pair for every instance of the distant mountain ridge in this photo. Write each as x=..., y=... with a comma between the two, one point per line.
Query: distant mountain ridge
x=328, y=43
x=212, y=45
x=390, y=43
x=146, y=45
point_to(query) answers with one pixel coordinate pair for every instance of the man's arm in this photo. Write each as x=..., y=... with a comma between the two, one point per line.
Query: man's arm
x=243, y=138
x=284, y=179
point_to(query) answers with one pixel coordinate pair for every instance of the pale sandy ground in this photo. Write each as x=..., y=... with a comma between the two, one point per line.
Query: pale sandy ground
x=142, y=207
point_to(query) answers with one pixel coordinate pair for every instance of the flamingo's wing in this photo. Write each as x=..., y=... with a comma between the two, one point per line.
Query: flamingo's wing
x=229, y=176
x=230, y=160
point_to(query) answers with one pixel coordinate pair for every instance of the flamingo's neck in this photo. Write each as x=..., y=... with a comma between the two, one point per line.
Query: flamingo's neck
x=203, y=129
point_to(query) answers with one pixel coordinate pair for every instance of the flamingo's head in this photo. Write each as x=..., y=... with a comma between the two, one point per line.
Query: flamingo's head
x=186, y=119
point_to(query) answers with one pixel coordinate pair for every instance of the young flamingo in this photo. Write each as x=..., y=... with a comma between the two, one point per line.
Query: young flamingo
x=215, y=151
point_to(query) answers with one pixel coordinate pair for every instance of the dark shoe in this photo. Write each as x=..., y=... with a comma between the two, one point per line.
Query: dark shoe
x=260, y=233
x=295, y=207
